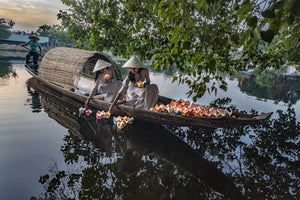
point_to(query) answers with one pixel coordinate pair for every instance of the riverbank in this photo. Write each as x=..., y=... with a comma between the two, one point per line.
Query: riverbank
x=13, y=51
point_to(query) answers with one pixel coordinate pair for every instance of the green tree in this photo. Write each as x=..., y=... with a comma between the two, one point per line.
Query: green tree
x=59, y=35
x=201, y=38
x=56, y=33
x=4, y=32
x=44, y=30
x=5, y=69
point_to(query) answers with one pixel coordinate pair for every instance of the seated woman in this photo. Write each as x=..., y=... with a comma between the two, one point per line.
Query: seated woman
x=139, y=92
x=106, y=86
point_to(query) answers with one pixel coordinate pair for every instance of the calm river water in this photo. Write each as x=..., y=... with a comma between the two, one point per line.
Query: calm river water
x=48, y=152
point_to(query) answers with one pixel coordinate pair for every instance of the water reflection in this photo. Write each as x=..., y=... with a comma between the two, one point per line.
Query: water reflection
x=149, y=161
x=267, y=85
x=262, y=159
x=146, y=155
x=6, y=70
x=35, y=100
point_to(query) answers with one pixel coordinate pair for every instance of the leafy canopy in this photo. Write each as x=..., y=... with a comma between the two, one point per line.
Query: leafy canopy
x=56, y=33
x=4, y=28
x=202, y=39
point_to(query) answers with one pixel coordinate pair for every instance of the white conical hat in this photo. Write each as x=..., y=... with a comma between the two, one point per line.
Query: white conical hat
x=101, y=64
x=133, y=62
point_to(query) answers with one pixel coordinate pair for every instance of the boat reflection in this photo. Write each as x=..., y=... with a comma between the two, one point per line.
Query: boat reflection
x=145, y=159
x=35, y=101
x=149, y=161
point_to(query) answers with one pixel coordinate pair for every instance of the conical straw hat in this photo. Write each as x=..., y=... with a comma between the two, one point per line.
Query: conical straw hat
x=133, y=62
x=101, y=64
x=34, y=37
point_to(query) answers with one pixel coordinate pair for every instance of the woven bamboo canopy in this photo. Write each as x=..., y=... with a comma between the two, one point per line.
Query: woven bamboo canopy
x=64, y=66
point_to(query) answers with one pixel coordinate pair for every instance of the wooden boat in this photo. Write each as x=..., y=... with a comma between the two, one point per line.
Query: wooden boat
x=68, y=71
x=163, y=143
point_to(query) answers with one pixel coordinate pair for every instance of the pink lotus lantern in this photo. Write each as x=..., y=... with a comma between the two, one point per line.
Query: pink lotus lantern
x=88, y=112
x=99, y=115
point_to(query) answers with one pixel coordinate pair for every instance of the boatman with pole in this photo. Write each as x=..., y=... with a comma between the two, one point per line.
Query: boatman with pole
x=34, y=50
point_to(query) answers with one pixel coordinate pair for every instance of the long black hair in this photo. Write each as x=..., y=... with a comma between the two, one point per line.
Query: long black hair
x=131, y=75
x=97, y=74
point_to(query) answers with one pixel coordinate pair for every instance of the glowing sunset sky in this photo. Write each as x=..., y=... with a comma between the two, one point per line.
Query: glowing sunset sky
x=30, y=14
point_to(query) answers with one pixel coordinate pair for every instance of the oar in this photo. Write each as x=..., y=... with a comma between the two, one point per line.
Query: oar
x=26, y=48
x=30, y=50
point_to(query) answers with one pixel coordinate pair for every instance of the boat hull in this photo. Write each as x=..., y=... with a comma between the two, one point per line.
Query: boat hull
x=157, y=117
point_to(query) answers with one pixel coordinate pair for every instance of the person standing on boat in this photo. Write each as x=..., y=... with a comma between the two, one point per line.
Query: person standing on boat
x=35, y=50
x=139, y=92
x=106, y=85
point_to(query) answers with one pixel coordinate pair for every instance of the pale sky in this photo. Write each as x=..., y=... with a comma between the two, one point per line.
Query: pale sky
x=30, y=14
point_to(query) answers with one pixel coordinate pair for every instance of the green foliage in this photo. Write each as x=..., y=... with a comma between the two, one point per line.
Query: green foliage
x=5, y=69
x=44, y=30
x=198, y=38
x=4, y=32
x=56, y=33
x=60, y=36
x=267, y=35
x=252, y=21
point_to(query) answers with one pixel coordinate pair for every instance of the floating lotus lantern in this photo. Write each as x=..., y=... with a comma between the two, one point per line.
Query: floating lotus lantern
x=224, y=113
x=197, y=112
x=102, y=115
x=185, y=108
x=106, y=115
x=122, y=122
x=176, y=111
x=117, y=119
x=99, y=115
x=187, y=111
x=88, y=112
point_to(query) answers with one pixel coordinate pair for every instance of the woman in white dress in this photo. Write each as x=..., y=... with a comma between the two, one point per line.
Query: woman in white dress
x=106, y=85
x=139, y=92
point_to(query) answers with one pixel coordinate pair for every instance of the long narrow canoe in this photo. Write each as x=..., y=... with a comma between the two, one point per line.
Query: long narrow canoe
x=162, y=142
x=67, y=75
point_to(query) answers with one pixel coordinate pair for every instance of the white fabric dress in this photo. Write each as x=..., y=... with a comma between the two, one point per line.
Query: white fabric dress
x=106, y=89
x=145, y=97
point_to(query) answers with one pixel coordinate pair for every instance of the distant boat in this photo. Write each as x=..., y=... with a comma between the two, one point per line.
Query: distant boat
x=68, y=71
